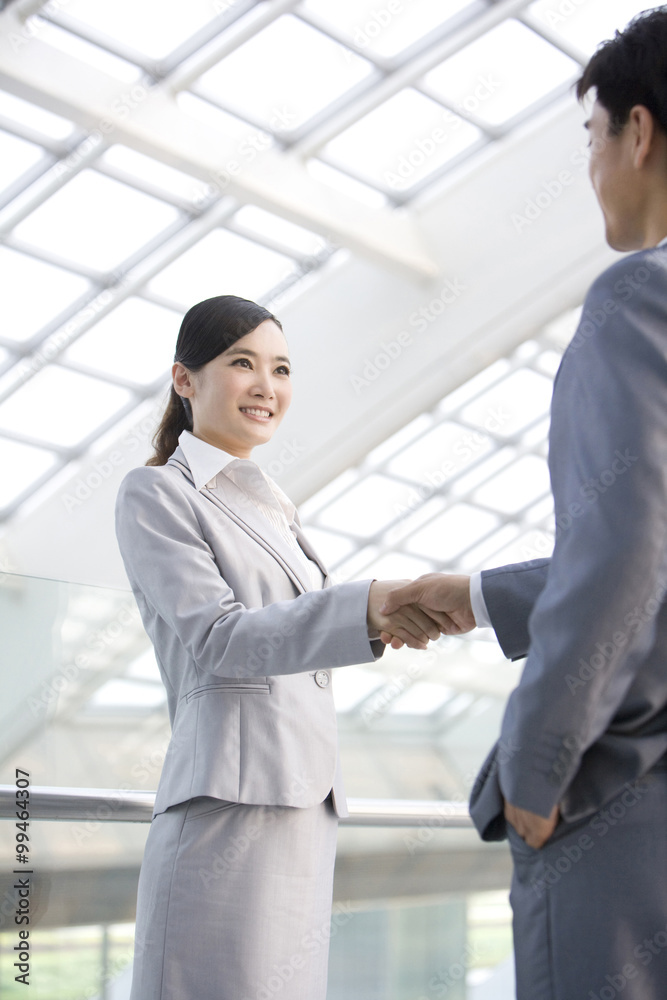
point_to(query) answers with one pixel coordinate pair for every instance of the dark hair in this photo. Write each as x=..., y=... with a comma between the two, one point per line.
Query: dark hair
x=208, y=329
x=630, y=69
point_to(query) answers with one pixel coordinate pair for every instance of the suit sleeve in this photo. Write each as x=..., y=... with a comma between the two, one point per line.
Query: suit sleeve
x=510, y=593
x=595, y=620
x=172, y=568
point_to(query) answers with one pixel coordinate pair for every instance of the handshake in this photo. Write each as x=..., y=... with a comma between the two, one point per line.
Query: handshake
x=412, y=613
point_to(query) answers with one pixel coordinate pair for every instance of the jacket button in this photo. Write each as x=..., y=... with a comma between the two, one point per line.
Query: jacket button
x=322, y=678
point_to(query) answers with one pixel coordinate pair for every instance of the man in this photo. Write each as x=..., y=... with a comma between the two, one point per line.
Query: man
x=578, y=780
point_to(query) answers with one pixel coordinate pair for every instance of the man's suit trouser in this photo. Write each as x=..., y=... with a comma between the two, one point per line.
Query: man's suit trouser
x=590, y=908
x=234, y=903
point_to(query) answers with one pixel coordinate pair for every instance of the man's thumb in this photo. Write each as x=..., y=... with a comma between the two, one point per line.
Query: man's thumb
x=394, y=600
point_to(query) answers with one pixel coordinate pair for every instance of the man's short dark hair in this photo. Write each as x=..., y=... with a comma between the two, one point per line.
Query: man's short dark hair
x=631, y=69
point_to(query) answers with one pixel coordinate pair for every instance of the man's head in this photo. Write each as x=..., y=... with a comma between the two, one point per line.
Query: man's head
x=628, y=129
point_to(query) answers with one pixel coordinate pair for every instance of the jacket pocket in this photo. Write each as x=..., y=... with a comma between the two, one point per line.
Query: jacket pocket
x=256, y=687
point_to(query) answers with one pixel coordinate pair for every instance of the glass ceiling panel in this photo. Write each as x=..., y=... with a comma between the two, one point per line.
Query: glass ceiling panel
x=501, y=492
x=95, y=221
x=61, y=407
x=449, y=535
x=498, y=509
x=265, y=78
x=441, y=453
x=152, y=27
x=26, y=464
x=16, y=156
x=295, y=238
x=398, y=566
x=25, y=113
x=483, y=471
x=484, y=554
x=151, y=171
x=222, y=263
x=385, y=29
x=367, y=507
x=419, y=511
x=24, y=313
x=134, y=342
x=502, y=73
x=329, y=547
x=510, y=406
x=401, y=142
x=530, y=544
x=586, y=24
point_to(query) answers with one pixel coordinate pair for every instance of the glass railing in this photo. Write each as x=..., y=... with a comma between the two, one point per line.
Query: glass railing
x=420, y=905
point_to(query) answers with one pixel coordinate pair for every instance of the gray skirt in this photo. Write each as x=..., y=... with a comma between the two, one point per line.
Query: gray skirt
x=234, y=903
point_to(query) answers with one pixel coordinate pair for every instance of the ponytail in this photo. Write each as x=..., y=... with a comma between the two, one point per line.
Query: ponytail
x=174, y=420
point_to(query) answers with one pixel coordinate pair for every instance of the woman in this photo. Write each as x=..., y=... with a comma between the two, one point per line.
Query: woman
x=236, y=883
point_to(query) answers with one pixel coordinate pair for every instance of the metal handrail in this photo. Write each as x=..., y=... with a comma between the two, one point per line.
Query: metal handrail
x=108, y=805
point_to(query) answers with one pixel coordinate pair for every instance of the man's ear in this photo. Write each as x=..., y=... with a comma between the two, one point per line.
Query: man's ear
x=643, y=130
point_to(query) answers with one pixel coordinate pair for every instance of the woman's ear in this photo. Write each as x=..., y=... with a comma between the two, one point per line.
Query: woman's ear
x=182, y=379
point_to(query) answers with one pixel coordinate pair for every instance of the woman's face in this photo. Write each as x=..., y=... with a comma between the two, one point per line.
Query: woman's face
x=239, y=398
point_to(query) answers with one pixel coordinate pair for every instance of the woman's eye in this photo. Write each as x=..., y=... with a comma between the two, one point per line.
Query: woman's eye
x=243, y=361
x=283, y=370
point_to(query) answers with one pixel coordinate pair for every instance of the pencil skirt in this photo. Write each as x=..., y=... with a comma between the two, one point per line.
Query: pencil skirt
x=234, y=903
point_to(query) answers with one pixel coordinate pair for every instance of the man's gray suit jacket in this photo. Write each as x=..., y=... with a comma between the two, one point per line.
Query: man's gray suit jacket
x=241, y=640
x=590, y=711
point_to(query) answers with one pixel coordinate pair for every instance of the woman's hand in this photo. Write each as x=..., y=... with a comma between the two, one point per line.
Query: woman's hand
x=444, y=598
x=408, y=624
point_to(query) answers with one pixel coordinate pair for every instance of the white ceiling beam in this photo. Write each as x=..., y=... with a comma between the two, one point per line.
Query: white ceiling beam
x=149, y=121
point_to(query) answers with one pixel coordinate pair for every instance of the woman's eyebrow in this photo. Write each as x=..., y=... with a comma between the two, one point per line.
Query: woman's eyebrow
x=253, y=354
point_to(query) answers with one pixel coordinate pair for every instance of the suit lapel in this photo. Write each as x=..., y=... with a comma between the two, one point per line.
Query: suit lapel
x=227, y=496
x=309, y=551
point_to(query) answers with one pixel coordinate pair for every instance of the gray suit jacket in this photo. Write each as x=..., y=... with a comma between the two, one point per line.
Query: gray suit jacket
x=241, y=640
x=590, y=711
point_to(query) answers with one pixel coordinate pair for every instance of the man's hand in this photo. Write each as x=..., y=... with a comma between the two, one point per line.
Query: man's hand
x=442, y=597
x=407, y=624
x=534, y=829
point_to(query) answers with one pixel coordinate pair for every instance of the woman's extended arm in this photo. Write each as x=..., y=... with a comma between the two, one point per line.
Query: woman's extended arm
x=172, y=568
